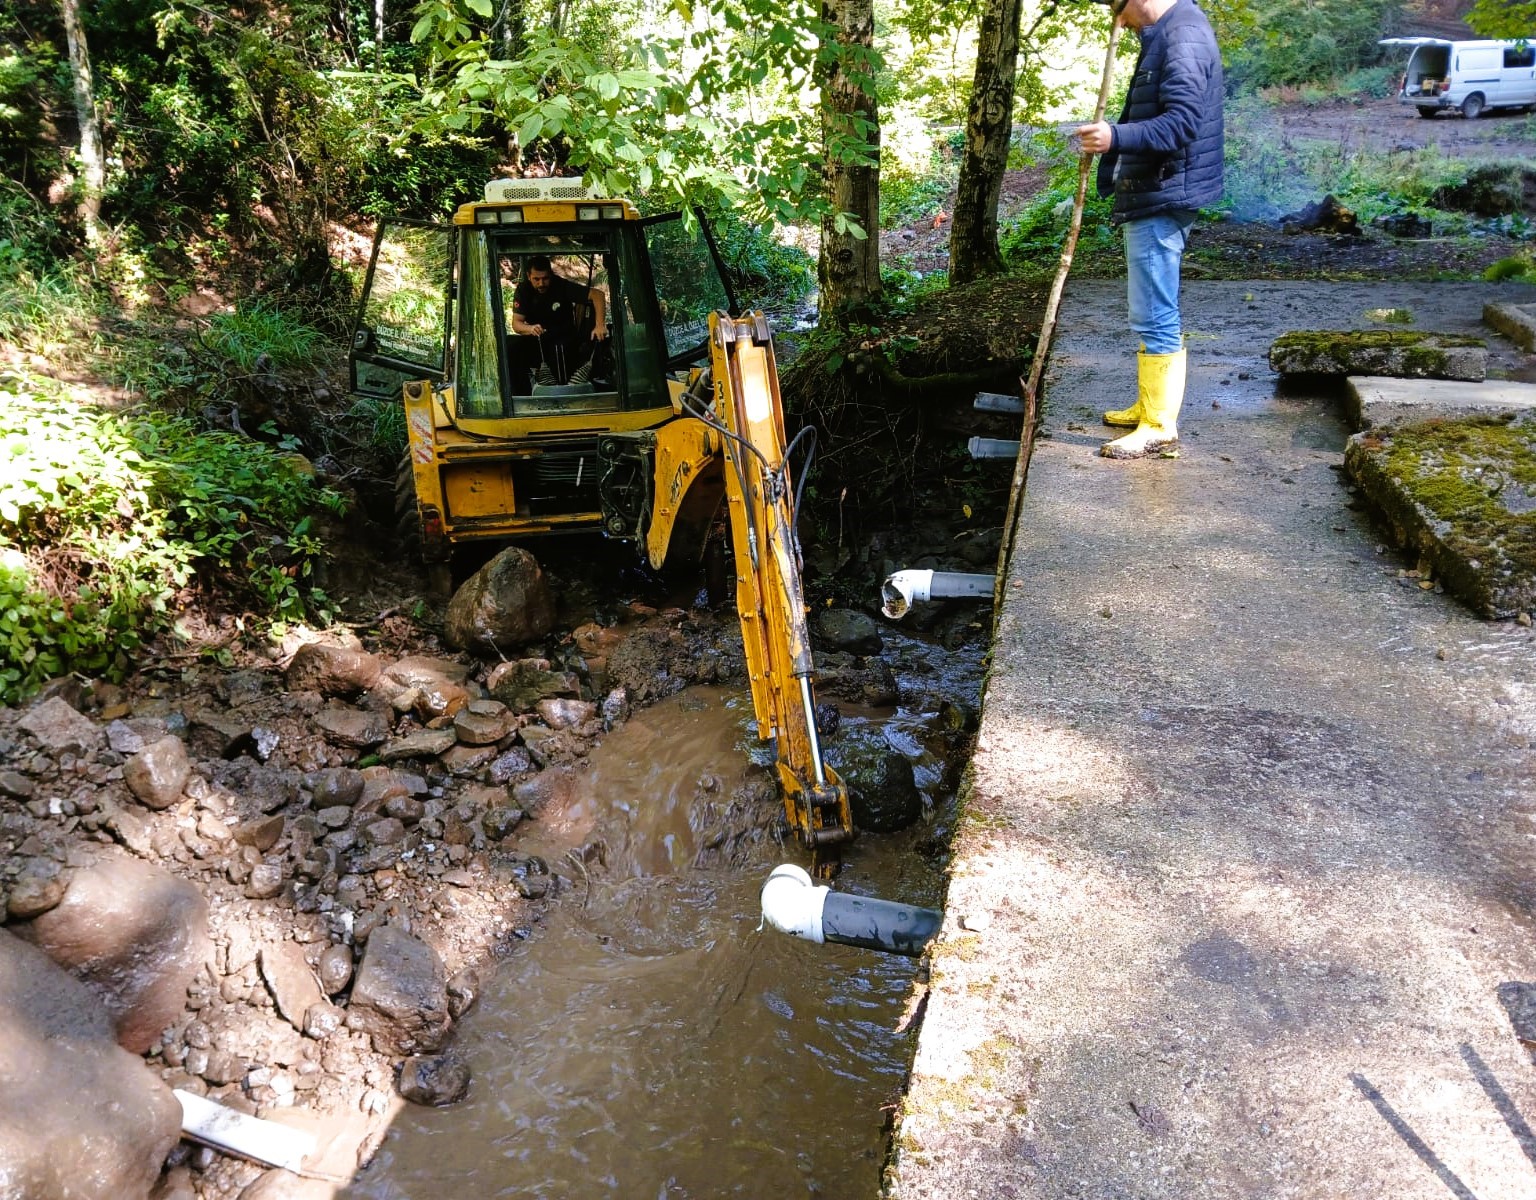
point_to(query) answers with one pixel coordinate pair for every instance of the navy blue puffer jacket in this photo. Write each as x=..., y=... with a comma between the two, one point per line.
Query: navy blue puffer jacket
x=1167, y=148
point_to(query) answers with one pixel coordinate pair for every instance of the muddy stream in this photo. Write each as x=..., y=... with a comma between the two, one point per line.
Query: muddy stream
x=646, y=1040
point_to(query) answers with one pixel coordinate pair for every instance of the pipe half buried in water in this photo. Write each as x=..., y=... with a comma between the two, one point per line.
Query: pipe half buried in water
x=795, y=904
x=906, y=588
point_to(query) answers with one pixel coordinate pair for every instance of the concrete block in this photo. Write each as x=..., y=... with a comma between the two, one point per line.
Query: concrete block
x=1373, y=401
x=1462, y=496
x=1517, y=322
x=1400, y=353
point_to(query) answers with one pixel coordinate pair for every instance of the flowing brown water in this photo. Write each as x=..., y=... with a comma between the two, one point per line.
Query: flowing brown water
x=648, y=1042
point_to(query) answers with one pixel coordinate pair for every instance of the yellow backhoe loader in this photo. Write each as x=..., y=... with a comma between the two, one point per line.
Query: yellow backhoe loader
x=566, y=365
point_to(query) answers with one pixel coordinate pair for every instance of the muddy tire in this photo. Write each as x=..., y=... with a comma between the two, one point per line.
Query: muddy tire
x=1472, y=106
x=407, y=516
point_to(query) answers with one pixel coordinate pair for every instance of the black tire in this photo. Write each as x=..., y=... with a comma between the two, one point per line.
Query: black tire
x=407, y=515
x=1427, y=110
x=1472, y=107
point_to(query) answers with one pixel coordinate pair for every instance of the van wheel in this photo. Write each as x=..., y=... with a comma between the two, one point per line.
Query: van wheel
x=1427, y=110
x=1472, y=106
x=407, y=515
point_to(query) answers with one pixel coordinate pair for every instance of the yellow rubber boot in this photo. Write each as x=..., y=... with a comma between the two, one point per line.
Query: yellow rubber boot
x=1131, y=417
x=1159, y=394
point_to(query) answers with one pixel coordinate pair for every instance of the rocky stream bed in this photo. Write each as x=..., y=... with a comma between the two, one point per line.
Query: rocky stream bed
x=280, y=885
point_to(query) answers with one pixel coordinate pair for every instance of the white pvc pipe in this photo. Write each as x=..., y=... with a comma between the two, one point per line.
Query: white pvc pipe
x=793, y=903
x=906, y=588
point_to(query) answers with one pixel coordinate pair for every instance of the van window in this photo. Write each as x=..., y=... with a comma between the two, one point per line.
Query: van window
x=1525, y=57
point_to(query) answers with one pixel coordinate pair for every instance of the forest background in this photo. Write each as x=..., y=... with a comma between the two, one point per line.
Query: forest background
x=189, y=189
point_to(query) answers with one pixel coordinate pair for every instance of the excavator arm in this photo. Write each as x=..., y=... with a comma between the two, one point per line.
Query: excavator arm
x=770, y=600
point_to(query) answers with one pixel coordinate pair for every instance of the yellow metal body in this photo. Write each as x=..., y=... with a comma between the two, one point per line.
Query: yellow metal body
x=725, y=445
x=770, y=599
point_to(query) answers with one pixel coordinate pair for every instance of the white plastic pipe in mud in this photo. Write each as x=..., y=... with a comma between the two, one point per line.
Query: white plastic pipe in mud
x=794, y=904
x=906, y=588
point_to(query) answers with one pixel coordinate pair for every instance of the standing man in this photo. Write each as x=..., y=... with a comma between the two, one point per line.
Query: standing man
x=557, y=311
x=1162, y=160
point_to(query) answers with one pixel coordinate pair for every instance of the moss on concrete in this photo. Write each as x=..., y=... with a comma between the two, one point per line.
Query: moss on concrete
x=1411, y=353
x=1322, y=340
x=1462, y=494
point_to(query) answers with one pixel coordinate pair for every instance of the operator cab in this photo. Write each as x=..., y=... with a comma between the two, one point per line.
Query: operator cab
x=440, y=303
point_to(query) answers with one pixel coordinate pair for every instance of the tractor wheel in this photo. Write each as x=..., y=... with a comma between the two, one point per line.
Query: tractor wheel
x=1472, y=106
x=407, y=515
x=1427, y=110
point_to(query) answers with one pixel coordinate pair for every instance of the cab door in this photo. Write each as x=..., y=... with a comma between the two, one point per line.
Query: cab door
x=690, y=283
x=403, y=322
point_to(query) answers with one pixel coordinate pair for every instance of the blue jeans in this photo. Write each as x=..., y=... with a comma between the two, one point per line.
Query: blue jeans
x=1154, y=248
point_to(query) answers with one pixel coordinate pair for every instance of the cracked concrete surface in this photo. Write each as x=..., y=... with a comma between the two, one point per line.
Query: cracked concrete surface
x=1248, y=852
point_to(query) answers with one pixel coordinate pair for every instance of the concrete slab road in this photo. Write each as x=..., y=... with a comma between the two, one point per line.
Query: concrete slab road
x=1244, y=900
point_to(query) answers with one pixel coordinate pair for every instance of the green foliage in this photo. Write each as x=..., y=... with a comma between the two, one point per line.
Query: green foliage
x=708, y=109
x=377, y=425
x=904, y=289
x=1503, y=18
x=766, y=271
x=1299, y=41
x=45, y=311
x=905, y=198
x=1519, y=268
x=262, y=330
x=105, y=518
x=1270, y=173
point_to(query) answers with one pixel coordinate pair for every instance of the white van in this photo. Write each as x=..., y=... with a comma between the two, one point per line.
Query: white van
x=1470, y=76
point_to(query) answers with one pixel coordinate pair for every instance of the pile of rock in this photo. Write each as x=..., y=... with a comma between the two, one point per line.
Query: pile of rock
x=275, y=885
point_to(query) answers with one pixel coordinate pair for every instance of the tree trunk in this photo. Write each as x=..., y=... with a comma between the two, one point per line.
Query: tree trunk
x=92, y=160
x=509, y=26
x=378, y=35
x=849, y=267
x=988, y=129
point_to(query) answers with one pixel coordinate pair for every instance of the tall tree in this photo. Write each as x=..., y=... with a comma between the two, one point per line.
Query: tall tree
x=93, y=163
x=973, y=248
x=849, y=267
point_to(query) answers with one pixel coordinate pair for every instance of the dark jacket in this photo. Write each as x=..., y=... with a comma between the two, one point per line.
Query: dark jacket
x=1167, y=148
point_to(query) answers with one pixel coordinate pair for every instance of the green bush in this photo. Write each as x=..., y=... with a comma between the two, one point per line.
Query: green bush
x=44, y=311
x=1034, y=238
x=1304, y=41
x=106, y=518
x=766, y=272
x=907, y=198
x=262, y=329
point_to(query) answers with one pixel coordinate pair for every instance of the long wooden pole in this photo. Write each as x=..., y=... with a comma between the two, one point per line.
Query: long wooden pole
x=1047, y=330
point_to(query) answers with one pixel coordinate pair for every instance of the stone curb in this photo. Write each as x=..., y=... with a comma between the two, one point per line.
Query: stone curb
x=1375, y=400
x=1517, y=322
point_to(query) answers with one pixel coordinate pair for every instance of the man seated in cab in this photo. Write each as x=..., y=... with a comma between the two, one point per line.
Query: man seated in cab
x=567, y=318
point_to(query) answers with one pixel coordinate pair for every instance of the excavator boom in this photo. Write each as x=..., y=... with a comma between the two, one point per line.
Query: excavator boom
x=770, y=599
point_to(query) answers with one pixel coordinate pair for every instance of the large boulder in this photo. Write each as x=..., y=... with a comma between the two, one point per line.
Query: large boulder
x=849, y=630
x=60, y=728
x=157, y=774
x=506, y=603
x=882, y=789
x=135, y=935
x=80, y=1117
x=400, y=996
x=333, y=669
